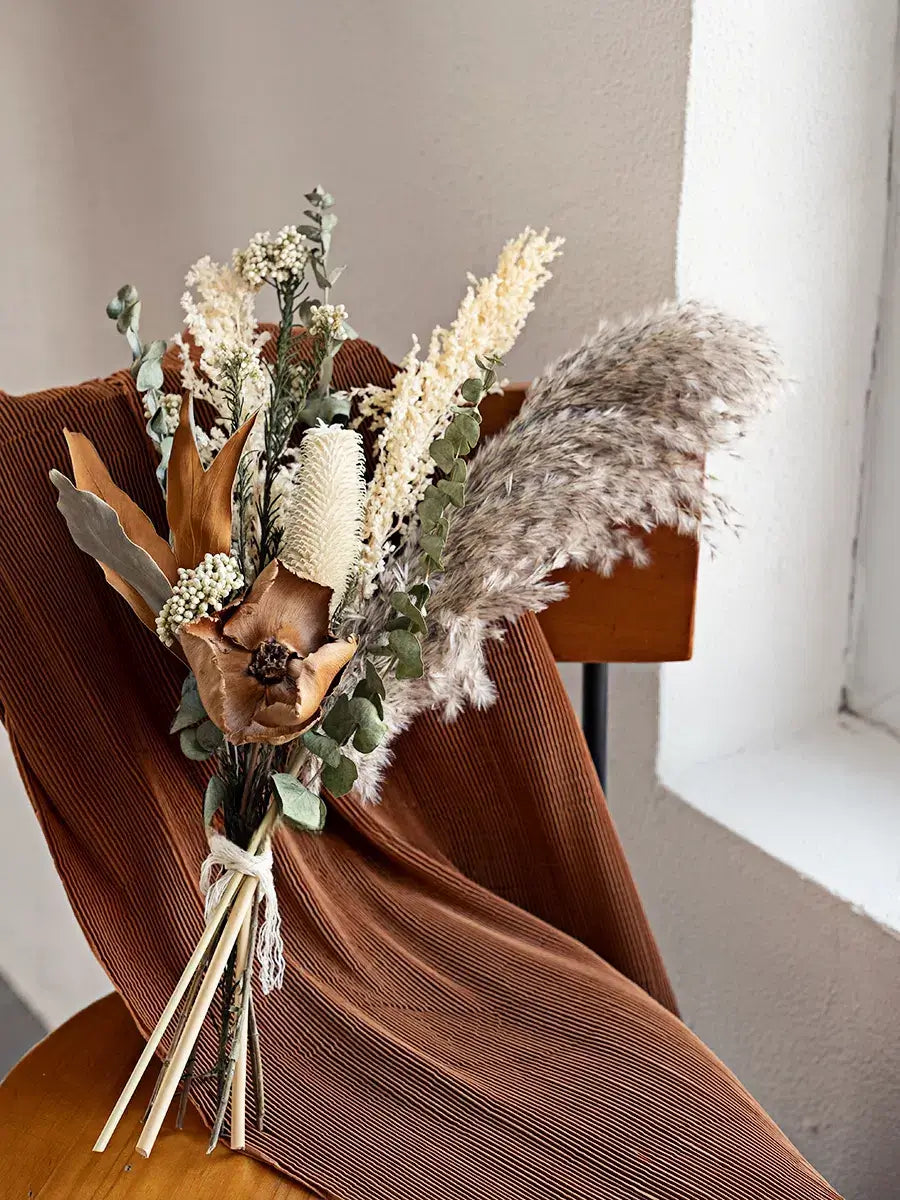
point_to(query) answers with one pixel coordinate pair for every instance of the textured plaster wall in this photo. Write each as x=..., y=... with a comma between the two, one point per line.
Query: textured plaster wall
x=146, y=135
x=789, y=985
x=783, y=220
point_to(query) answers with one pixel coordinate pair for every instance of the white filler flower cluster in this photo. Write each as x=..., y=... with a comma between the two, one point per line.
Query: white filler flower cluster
x=219, y=314
x=278, y=260
x=198, y=591
x=328, y=319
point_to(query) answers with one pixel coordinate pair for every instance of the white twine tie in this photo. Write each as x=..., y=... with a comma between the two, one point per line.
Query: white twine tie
x=227, y=858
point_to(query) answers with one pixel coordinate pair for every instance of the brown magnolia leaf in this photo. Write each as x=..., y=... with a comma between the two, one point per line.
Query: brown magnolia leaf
x=95, y=529
x=91, y=475
x=198, y=502
x=284, y=606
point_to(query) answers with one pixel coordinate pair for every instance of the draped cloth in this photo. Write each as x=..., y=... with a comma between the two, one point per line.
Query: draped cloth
x=474, y=1008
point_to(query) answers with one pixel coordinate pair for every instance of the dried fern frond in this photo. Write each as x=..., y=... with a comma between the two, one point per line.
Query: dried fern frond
x=323, y=511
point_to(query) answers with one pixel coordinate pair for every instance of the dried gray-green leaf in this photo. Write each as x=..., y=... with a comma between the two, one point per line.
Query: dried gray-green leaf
x=403, y=604
x=190, y=710
x=209, y=735
x=95, y=529
x=322, y=746
x=340, y=779
x=405, y=646
x=373, y=679
x=150, y=375
x=472, y=390
x=455, y=492
x=214, y=798
x=301, y=808
x=443, y=453
x=338, y=722
x=191, y=747
x=370, y=729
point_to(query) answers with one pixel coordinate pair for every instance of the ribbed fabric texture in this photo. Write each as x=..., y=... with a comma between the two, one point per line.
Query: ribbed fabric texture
x=474, y=1007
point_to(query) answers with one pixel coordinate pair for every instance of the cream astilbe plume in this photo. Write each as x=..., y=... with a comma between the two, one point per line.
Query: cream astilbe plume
x=323, y=510
x=418, y=406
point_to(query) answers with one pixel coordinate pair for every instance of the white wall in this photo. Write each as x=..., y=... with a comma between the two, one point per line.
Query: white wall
x=874, y=668
x=147, y=135
x=783, y=220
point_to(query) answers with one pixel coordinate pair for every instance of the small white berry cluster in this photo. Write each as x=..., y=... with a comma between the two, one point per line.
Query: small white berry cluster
x=170, y=404
x=328, y=319
x=279, y=259
x=198, y=591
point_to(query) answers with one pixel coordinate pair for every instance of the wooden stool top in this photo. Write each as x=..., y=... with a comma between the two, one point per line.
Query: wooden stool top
x=53, y=1104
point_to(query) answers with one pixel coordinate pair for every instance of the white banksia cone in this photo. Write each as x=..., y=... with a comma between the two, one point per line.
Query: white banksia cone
x=324, y=509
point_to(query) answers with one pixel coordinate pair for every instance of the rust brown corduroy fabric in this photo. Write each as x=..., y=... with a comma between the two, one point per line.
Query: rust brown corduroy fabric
x=474, y=1007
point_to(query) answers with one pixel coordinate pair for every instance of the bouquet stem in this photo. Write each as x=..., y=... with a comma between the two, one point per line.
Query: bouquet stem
x=182, y=1050
x=214, y=948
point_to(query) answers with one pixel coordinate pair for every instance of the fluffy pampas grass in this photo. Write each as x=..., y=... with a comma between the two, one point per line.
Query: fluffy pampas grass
x=611, y=438
x=324, y=507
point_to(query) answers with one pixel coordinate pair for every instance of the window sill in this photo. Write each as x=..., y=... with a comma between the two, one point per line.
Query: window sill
x=826, y=803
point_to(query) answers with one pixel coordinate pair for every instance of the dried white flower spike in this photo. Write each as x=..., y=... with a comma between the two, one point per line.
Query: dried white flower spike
x=323, y=512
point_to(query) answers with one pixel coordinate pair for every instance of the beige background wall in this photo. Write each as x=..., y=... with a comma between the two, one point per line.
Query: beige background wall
x=137, y=137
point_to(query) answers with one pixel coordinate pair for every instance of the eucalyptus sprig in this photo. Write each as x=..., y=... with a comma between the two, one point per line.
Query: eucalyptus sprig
x=407, y=629
x=146, y=370
x=358, y=720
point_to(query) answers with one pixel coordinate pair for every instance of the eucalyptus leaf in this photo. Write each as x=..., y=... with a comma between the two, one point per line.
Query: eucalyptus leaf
x=214, y=798
x=373, y=679
x=444, y=453
x=338, y=722
x=370, y=729
x=363, y=690
x=432, y=546
x=431, y=507
x=301, y=808
x=465, y=428
x=191, y=746
x=209, y=735
x=190, y=711
x=96, y=530
x=403, y=604
x=420, y=593
x=330, y=408
x=405, y=646
x=455, y=492
x=340, y=779
x=322, y=746
x=150, y=375
x=129, y=318
x=156, y=349
x=472, y=391
x=458, y=472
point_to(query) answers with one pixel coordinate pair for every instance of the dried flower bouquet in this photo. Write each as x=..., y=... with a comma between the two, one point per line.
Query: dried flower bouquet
x=322, y=597
x=280, y=571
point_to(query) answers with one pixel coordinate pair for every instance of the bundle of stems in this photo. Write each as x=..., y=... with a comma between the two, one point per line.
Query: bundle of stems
x=222, y=957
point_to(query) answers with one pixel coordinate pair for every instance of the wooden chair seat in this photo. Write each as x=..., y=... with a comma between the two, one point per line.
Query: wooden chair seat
x=54, y=1103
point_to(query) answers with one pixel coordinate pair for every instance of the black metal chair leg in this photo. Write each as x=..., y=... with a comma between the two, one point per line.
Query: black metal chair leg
x=595, y=714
